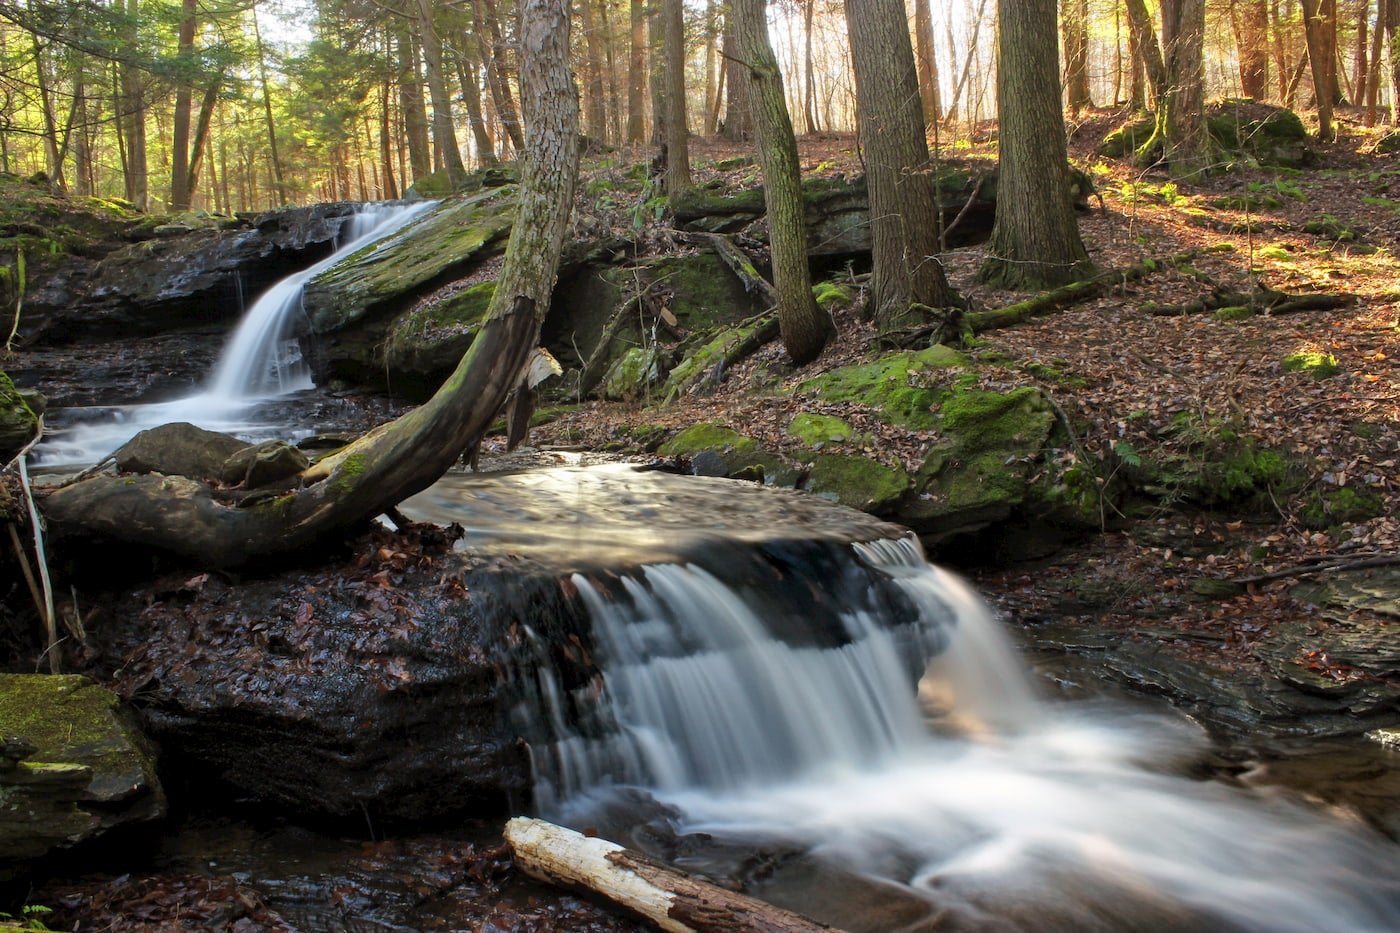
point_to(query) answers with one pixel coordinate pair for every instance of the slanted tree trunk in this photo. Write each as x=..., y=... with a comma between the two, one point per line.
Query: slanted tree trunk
x=1035, y=240
x=907, y=279
x=407, y=455
x=805, y=328
x=1143, y=37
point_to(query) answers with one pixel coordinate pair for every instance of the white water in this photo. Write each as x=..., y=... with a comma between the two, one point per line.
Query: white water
x=261, y=361
x=1005, y=811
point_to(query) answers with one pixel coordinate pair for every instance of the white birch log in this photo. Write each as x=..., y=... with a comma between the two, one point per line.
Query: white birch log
x=674, y=901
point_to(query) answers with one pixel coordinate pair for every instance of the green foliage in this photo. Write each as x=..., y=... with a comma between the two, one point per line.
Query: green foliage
x=1343, y=505
x=29, y=917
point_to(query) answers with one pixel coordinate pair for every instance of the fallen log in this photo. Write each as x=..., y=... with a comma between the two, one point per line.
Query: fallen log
x=674, y=901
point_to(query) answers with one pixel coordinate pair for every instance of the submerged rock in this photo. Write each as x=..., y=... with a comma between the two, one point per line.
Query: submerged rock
x=72, y=767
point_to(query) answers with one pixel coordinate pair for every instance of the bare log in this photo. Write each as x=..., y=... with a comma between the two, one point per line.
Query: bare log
x=741, y=265
x=674, y=901
x=595, y=366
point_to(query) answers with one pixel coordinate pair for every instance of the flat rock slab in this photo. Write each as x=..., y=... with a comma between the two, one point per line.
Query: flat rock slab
x=74, y=767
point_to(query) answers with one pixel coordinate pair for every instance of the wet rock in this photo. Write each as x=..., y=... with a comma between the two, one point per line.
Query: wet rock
x=197, y=281
x=72, y=767
x=263, y=464
x=179, y=449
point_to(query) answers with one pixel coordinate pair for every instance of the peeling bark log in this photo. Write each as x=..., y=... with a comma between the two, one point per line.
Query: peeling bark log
x=674, y=901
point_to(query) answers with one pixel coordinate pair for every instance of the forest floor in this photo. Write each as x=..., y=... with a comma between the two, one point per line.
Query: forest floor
x=1145, y=386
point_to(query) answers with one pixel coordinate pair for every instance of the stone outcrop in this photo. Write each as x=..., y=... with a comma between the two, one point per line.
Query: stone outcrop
x=72, y=767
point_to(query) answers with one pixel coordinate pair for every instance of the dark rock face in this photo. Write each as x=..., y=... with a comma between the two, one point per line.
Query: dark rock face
x=178, y=449
x=194, y=281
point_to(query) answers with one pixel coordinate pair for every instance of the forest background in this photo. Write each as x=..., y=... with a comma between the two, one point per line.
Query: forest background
x=228, y=105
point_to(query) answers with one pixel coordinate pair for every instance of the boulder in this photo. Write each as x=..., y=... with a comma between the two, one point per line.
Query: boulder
x=265, y=464
x=179, y=449
x=72, y=767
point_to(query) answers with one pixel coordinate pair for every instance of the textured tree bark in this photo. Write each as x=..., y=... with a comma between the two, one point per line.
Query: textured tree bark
x=1035, y=240
x=444, y=129
x=415, y=114
x=637, y=72
x=674, y=901
x=1251, y=22
x=1320, y=31
x=904, y=215
x=595, y=96
x=1148, y=52
x=407, y=455
x=1075, y=25
x=677, y=126
x=805, y=328
x=1181, y=115
x=928, y=63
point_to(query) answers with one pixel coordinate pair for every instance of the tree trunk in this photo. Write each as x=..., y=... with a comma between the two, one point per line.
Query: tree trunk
x=415, y=114
x=1075, y=26
x=1149, y=52
x=595, y=96
x=184, y=103
x=713, y=88
x=904, y=216
x=637, y=73
x=404, y=456
x=927, y=60
x=1181, y=127
x=471, y=99
x=673, y=901
x=1035, y=240
x=499, y=71
x=805, y=328
x=1251, y=26
x=677, y=126
x=444, y=131
x=278, y=182
x=1360, y=52
x=133, y=117
x=1373, y=86
x=1319, y=29
x=738, y=118
x=809, y=70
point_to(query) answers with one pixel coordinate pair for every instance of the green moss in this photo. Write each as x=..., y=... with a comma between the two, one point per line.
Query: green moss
x=1314, y=362
x=1273, y=252
x=739, y=456
x=895, y=385
x=858, y=482
x=1234, y=313
x=1343, y=505
x=830, y=295
x=812, y=430
x=633, y=374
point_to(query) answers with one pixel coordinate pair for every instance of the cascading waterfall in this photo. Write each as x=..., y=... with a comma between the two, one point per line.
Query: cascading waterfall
x=1005, y=811
x=260, y=361
x=262, y=357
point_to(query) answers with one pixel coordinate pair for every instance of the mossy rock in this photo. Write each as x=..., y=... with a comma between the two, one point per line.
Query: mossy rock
x=449, y=241
x=718, y=450
x=819, y=430
x=1126, y=139
x=18, y=422
x=1261, y=133
x=1343, y=505
x=72, y=767
x=897, y=385
x=857, y=482
x=704, y=293
x=423, y=346
x=831, y=295
x=635, y=374
x=978, y=472
x=702, y=360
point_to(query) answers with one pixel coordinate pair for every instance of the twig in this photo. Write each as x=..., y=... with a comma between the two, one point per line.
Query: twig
x=50, y=622
x=971, y=199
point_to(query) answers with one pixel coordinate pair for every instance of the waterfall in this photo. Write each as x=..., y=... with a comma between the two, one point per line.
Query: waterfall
x=261, y=360
x=262, y=357
x=753, y=709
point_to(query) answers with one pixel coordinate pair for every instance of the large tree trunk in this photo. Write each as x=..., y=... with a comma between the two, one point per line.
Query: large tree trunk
x=927, y=60
x=1250, y=19
x=1320, y=30
x=738, y=118
x=415, y=113
x=444, y=131
x=637, y=72
x=595, y=94
x=1035, y=240
x=677, y=125
x=805, y=328
x=407, y=455
x=184, y=104
x=904, y=216
x=1075, y=25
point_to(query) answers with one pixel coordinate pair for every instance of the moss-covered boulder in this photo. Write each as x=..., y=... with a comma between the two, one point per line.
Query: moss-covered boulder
x=817, y=431
x=18, y=422
x=636, y=374
x=979, y=470
x=349, y=304
x=422, y=347
x=900, y=387
x=1245, y=129
x=718, y=450
x=71, y=767
x=859, y=482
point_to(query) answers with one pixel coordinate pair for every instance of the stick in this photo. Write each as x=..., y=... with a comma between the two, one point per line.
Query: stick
x=674, y=901
x=50, y=622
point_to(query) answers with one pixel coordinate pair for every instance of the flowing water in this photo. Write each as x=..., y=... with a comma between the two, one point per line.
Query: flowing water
x=997, y=809
x=261, y=361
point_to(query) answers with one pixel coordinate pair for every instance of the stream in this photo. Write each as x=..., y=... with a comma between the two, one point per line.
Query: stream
x=808, y=753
